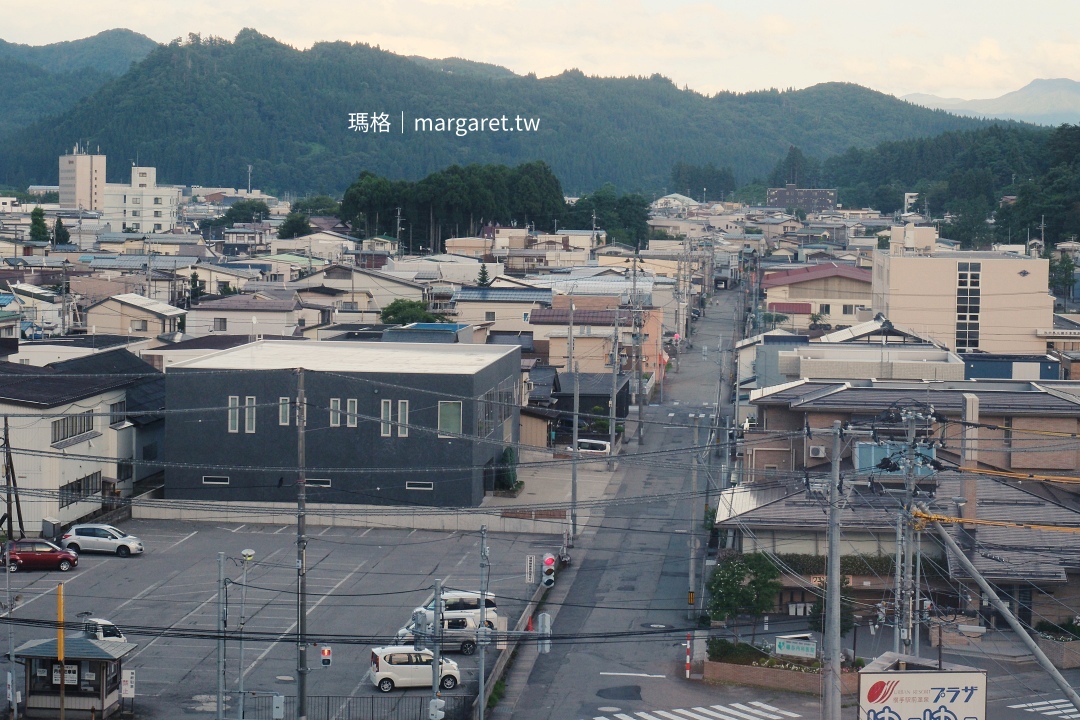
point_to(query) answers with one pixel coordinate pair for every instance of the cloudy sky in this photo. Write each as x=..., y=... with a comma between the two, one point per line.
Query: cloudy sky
x=951, y=48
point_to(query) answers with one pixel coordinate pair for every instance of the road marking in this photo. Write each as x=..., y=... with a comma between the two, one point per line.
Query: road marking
x=186, y=537
x=201, y=605
x=239, y=528
x=621, y=716
x=647, y=716
x=759, y=713
x=667, y=715
x=713, y=713
x=280, y=529
x=742, y=714
x=645, y=675
x=693, y=715
x=147, y=591
x=774, y=709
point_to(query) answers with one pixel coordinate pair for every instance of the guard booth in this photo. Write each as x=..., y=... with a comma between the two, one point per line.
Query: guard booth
x=91, y=677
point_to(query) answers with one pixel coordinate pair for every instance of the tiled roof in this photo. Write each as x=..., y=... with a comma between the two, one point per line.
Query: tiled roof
x=816, y=272
x=791, y=308
x=561, y=316
x=45, y=387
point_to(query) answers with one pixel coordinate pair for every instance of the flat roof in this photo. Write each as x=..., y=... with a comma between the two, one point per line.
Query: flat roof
x=330, y=356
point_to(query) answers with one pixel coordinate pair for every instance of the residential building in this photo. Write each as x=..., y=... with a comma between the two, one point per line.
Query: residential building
x=82, y=180
x=142, y=205
x=133, y=314
x=387, y=423
x=811, y=200
x=967, y=301
x=280, y=313
x=830, y=290
x=506, y=309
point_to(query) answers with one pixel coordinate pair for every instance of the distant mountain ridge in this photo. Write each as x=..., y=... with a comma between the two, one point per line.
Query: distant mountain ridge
x=110, y=52
x=1043, y=102
x=202, y=110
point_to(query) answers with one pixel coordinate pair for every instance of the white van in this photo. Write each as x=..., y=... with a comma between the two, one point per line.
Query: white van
x=405, y=666
x=463, y=603
x=600, y=448
x=459, y=633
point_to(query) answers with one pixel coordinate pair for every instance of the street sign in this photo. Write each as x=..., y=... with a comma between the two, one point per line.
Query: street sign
x=922, y=694
x=799, y=648
x=530, y=569
x=127, y=683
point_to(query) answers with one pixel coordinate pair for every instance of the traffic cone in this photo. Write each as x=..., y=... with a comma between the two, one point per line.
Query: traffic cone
x=528, y=627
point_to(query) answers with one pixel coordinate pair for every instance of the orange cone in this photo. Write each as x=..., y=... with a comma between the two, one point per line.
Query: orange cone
x=528, y=627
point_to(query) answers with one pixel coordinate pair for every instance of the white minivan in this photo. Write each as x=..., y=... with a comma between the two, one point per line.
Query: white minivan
x=463, y=603
x=405, y=666
x=459, y=633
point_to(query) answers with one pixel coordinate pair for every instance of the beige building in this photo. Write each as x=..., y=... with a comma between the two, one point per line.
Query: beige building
x=967, y=301
x=834, y=291
x=82, y=180
x=134, y=315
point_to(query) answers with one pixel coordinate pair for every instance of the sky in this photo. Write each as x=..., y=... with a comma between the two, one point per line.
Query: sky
x=950, y=48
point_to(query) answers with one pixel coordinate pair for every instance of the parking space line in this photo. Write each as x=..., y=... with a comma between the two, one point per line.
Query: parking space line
x=188, y=537
x=201, y=605
x=289, y=629
x=147, y=591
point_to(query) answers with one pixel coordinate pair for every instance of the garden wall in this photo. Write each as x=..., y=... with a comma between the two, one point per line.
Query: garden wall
x=776, y=678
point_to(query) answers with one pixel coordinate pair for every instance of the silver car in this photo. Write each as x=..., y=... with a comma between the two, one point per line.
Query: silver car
x=101, y=538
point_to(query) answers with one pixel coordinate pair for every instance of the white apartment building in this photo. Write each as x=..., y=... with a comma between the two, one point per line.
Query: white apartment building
x=143, y=205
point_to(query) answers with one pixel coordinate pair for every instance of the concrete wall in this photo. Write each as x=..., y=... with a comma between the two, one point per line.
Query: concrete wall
x=775, y=678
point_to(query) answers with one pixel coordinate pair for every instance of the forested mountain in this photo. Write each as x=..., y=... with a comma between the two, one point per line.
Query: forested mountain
x=110, y=52
x=460, y=66
x=202, y=110
x=43, y=81
x=967, y=174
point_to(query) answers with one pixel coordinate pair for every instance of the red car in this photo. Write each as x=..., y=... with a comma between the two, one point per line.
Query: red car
x=40, y=555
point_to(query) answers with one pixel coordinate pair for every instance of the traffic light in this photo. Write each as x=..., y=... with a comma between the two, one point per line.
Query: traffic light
x=327, y=655
x=548, y=579
x=435, y=709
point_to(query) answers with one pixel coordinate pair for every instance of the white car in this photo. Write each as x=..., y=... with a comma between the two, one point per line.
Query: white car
x=99, y=629
x=101, y=538
x=405, y=666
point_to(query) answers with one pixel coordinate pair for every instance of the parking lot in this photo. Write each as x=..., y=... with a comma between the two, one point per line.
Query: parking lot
x=362, y=586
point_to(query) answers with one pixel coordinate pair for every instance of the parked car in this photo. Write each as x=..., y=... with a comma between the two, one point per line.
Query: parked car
x=462, y=603
x=459, y=633
x=99, y=629
x=101, y=538
x=591, y=448
x=40, y=555
x=405, y=666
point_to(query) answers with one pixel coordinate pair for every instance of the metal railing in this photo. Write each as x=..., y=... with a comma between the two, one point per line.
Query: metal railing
x=393, y=706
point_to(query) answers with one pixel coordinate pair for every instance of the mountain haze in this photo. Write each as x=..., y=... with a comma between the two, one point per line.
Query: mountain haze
x=110, y=52
x=203, y=109
x=1043, y=102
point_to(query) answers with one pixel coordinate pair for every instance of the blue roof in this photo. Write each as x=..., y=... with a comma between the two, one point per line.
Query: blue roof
x=490, y=294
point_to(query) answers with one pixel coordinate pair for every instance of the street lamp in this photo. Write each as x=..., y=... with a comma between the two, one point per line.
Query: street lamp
x=247, y=555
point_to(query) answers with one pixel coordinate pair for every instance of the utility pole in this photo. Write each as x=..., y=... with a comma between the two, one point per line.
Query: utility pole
x=9, y=475
x=221, y=636
x=832, y=587
x=614, y=389
x=637, y=348
x=692, y=538
x=909, y=497
x=436, y=638
x=246, y=556
x=481, y=633
x=572, y=366
x=301, y=549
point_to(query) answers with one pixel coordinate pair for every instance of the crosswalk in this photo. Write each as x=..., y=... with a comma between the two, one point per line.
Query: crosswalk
x=1061, y=709
x=735, y=711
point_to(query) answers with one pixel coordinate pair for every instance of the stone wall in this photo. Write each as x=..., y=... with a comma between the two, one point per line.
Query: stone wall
x=775, y=678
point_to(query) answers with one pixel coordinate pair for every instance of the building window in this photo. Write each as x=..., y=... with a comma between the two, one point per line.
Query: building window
x=283, y=411
x=234, y=413
x=350, y=412
x=824, y=308
x=78, y=490
x=249, y=414
x=489, y=316
x=138, y=326
x=968, y=305
x=157, y=201
x=135, y=213
x=335, y=412
x=215, y=479
x=136, y=201
x=449, y=418
x=149, y=451
x=157, y=213
x=386, y=411
x=849, y=309
x=403, y=418
x=220, y=324
x=525, y=316
x=135, y=226
x=157, y=226
x=118, y=412
x=317, y=482
x=124, y=471
x=348, y=306
x=71, y=425
x=418, y=485
x=1007, y=432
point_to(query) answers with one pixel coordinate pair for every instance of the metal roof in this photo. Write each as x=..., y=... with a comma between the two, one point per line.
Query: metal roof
x=75, y=648
x=493, y=294
x=154, y=306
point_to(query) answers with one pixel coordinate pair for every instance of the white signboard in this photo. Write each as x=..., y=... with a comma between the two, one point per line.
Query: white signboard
x=530, y=569
x=796, y=647
x=923, y=695
x=71, y=674
x=127, y=683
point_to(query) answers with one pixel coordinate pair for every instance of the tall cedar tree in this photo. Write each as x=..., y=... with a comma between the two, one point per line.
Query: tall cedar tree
x=38, y=230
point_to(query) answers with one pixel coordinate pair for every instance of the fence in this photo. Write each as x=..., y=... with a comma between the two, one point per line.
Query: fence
x=360, y=707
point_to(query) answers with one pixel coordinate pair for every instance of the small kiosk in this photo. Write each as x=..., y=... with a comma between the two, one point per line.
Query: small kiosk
x=91, y=677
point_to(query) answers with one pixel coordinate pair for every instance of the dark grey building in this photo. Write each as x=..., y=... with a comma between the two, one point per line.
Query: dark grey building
x=387, y=423
x=811, y=200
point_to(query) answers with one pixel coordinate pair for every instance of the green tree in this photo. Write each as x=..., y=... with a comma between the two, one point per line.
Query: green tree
x=743, y=585
x=482, y=279
x=294, y=226
x=403, y=312
x=38, y=230
x=195, y=290
x=61, y=236
x=816, y=620
x=1062, y=277
x=317, y=205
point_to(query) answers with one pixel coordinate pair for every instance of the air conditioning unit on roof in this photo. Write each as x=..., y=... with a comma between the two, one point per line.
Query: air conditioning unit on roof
x=817, y=451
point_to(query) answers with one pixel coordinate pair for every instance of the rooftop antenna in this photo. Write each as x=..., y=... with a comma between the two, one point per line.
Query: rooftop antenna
x=249, y=179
